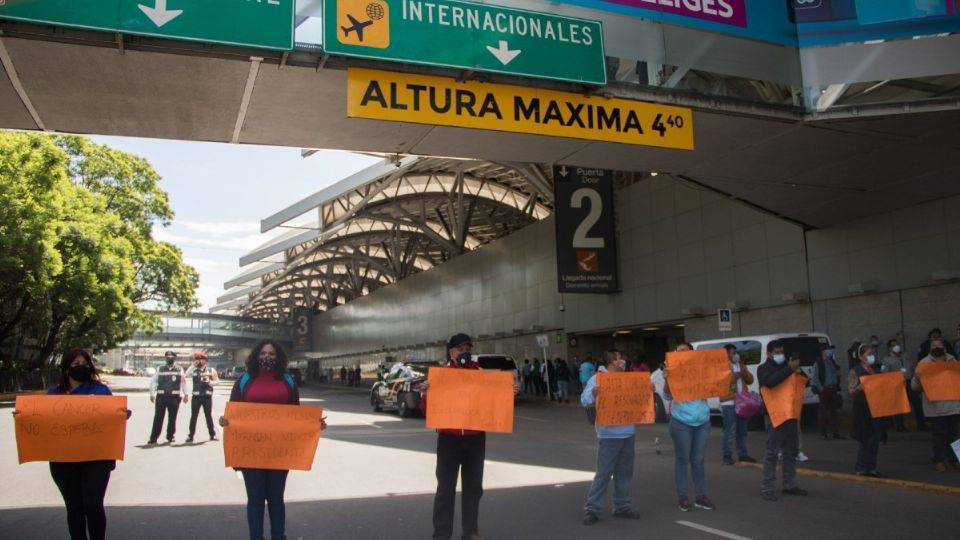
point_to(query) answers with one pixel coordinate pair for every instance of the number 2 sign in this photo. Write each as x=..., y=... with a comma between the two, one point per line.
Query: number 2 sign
x=586, y=233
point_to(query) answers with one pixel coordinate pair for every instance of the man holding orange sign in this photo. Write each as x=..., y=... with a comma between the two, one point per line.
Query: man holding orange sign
x=936, y=376
x=461, y=450
x=777, y=376
x=615, y=450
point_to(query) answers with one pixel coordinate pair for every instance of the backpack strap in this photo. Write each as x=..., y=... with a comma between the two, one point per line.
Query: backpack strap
x=289, y=378
x=244, y=379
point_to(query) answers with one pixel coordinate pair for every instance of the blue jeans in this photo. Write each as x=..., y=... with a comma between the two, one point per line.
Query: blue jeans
x=733, y=423
x=564, y=390
x=614, y=458
x=265, y=485
x=689, y=448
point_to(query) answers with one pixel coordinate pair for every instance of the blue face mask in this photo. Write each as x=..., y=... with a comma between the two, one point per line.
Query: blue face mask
x=779, y=358
x=871, y=359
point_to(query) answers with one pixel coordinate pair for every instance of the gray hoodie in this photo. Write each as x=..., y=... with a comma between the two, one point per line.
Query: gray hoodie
x=935, y=408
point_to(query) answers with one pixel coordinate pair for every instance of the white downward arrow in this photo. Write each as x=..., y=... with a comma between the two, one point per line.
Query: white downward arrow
x=563, y=170
x=160, y=15
x=503, y=54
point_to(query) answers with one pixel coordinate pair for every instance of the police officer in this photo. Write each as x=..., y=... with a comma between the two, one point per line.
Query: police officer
x=167, y=387
x=203, y=377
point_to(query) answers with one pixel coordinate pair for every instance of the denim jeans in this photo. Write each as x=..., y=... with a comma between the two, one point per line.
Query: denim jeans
x=689, y=448
x=564, y=390
x=786, y=436
x=614, y=458
x=265, y=485
x=734, y=425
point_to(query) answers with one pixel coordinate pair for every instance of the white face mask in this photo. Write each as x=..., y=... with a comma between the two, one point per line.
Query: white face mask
x=735, y=359
x=779, y=358
x=896, y=349
x=871, y=359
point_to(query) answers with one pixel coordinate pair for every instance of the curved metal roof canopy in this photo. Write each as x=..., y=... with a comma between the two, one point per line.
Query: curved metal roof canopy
x=380, y=225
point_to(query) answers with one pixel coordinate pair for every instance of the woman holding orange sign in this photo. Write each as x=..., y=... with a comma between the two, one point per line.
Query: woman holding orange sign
x=689, y=429
x=865, y=428
x=83, y=484
x=266, y=381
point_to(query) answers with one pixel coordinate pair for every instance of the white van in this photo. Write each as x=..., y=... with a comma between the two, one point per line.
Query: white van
x=753, y=351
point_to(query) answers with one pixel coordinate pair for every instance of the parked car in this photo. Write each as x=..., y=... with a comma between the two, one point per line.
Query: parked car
x=401, y=388
x=752, y=350
x=231, y=372
x=498, y=362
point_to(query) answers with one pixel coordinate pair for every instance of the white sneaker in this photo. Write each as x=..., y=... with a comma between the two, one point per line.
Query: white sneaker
x=801, y=457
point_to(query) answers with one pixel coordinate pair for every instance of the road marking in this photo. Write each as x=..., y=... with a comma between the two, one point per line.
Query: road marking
x=711, y=530
x=531, y=418
x=892, y=482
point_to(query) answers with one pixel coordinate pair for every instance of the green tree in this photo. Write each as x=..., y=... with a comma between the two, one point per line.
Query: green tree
x=78, y=262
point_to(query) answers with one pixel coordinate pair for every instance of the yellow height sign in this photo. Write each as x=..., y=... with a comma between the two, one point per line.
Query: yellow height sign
x=422, y=99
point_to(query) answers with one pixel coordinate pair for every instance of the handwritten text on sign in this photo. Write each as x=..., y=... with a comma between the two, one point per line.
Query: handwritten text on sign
x=470, y=399
x=886, y=394
x=266, y=436
x=784, y=401
x=699, y=374
x=624, y=398
x=70, y=428
x=940, y=380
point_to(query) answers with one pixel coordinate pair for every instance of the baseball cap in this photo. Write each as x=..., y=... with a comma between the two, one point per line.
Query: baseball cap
x=170, y=353
x=199, y=356
x=458, y=339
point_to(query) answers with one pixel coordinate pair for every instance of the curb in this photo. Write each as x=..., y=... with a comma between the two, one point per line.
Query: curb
x=891, y=482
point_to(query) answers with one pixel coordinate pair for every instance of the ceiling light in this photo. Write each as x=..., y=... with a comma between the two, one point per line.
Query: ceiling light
x=651, y=328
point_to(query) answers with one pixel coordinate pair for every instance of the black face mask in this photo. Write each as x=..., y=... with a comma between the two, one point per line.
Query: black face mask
x=938, y=352
x=79, y=373
x=170, y=361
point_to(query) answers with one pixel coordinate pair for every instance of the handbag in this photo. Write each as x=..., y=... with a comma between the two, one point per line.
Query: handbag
x=745, y=402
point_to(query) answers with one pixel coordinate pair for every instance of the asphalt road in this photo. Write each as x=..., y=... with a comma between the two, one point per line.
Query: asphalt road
x=372, y=478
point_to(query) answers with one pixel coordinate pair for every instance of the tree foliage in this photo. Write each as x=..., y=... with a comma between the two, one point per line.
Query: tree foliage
x=78, y=261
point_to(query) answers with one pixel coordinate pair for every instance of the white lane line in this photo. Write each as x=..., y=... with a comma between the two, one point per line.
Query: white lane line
x=530, y=418
x=711, y=530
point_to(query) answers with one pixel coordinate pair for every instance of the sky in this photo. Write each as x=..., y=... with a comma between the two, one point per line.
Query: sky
x=220, y=192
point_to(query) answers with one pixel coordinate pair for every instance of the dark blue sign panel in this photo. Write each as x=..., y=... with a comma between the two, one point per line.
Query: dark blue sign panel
x=586, y=232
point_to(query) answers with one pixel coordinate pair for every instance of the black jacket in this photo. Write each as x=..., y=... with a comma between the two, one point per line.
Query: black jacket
x=770, y=374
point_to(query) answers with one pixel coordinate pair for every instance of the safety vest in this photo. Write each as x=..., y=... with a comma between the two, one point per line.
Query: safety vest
x=201, y=382
x=168, y=380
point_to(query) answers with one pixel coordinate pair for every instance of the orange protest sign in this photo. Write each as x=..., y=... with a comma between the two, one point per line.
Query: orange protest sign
x=784, y=401
x=698, y=374
x=267, y=436
x=940, y=380
x=624, y=398
x=886, y=394
x=470, y=399
x=70, y=428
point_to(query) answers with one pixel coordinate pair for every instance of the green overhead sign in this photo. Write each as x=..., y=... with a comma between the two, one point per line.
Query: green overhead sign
x=467, y=35
x=266, y=24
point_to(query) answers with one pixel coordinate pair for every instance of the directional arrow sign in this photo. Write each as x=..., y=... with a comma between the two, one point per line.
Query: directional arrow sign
x=266, y=24
x=467, y=35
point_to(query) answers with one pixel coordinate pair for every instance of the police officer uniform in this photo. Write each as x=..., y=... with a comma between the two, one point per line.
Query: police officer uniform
x=203, y=377
x=167, y=388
